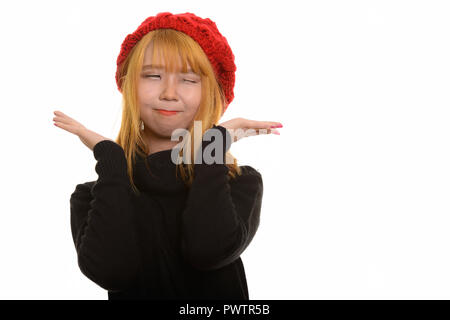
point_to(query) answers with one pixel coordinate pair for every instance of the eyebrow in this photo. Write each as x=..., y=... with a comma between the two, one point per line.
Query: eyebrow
x=158, y=66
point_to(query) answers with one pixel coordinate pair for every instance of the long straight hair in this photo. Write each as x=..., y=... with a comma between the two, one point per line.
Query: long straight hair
x=171, y=44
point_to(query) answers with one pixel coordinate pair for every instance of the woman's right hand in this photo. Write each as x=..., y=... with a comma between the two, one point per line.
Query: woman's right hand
x=88, y=137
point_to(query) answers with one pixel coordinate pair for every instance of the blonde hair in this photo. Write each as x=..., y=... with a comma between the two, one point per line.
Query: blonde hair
x=171, y=44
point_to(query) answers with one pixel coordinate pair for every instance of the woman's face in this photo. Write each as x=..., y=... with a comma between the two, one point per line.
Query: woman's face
x=158, y=89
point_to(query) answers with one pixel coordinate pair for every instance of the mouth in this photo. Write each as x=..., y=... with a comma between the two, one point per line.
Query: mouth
x=166, y=112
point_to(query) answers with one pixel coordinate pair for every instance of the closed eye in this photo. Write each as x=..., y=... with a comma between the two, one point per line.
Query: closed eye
x=157, y=75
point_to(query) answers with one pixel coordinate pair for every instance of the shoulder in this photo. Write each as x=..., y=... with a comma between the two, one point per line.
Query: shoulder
x=250, y=172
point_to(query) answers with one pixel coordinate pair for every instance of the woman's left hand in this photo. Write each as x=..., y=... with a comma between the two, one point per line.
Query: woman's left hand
x=240, y=127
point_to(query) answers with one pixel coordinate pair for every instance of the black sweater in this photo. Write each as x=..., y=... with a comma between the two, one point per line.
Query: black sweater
x=171, y=241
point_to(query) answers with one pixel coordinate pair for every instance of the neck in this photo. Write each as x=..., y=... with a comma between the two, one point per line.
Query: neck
x=157, y=143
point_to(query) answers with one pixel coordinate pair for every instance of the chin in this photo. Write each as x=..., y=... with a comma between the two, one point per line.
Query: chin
x=164, y=132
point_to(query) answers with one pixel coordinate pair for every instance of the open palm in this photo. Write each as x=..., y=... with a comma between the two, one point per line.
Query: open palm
x=88, y=137
x=240, y=127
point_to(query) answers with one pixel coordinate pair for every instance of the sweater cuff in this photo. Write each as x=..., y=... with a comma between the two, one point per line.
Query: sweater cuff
x=110, y=158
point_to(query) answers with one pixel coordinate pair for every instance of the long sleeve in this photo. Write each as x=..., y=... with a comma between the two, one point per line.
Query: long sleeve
x=221, y=216
x=102, y=222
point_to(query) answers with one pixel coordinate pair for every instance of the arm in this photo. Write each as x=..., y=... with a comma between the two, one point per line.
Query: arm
x=221, y=216
x=101, y=222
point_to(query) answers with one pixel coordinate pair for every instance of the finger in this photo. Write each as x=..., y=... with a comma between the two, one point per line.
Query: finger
x=63, y=115
x=263, y=131
x=61, y=125
x=66, y=119
x=264, y=124
x=268, y=131
x=62, y=120
x=260, y=131
x=66, y=127
x=57, y=118
x=59, y=113
x=275, y=131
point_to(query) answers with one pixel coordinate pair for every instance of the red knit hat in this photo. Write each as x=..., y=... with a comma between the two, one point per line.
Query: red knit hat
x=204, y=31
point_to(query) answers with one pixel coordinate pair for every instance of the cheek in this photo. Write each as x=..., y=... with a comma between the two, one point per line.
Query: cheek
x=146, y=89
x=192, y=98
x=192, y=109
x=147, y=116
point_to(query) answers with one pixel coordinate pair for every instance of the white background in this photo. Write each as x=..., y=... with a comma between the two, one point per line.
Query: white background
x=356, y=187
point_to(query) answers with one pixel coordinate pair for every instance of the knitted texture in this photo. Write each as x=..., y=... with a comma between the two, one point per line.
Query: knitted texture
x=203, y=31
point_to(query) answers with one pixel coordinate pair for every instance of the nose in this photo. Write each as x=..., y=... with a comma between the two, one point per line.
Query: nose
x=169, y=89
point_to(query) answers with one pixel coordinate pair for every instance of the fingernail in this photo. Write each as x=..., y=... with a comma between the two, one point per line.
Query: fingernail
x=277, y=133
x=277, y=126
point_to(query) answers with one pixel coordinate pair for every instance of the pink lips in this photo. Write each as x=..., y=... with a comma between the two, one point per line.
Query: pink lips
x=167, y=113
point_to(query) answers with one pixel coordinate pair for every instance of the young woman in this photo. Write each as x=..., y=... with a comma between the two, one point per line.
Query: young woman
x=149, y=227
